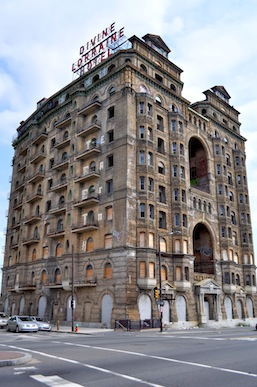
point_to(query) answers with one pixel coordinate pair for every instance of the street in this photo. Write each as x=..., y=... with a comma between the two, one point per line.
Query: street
x=196, y=357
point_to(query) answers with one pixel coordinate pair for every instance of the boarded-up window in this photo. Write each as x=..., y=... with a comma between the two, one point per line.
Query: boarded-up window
x=89, y=272
x=58, y=250
x=164, y=275
x=43, y=277
x=45, y=252
x=142, y=239
x=151, y=270
x=151, y=239
x=34, y=254
x=108, y=270
x=90, y=244
x=178, y=273
x=108, y=241
x=108, y=213
x=142, y=269
x=58, y=276
x=163, y=245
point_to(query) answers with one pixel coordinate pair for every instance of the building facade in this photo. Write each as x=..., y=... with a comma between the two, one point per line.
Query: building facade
x=120, y=186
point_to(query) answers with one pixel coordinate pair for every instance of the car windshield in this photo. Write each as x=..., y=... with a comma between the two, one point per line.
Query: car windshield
x=25, y=318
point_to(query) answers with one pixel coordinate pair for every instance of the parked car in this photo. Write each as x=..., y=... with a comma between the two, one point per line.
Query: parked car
x=42, y=323
x=3, y=320
x=21, y=324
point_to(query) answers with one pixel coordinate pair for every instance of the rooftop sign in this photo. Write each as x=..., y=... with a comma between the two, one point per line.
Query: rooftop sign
x=97, y=49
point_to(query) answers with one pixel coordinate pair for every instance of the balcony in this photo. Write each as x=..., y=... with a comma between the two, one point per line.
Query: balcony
x=63, y=123
x=86, y=177
x=19, y=186
x=16, y=224
x=90, y=108
x=22, y=167
x=61, y=209
x=36, y=177
x=182, y=286
x=14, y=245
x=34, y=197
x=37, y=157
x=63, y=143
x=33, y=218
x=87, y=202
x=229, y=288
x=86, y=284
x=87, y=153
x=21, y=287
x=39, y=138
x=56, y=233
x=23, y=149
x=250, y=289
x=89, y=129
x=30, y=240
x=146, y=283
x=82, y=227
x=59, y=186
x=61, y=164
x=17, y=204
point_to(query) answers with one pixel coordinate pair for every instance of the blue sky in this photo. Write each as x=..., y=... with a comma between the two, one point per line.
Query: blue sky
x=213, y=41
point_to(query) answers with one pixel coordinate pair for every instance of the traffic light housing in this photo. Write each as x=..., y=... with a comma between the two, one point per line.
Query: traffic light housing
x=156, y=293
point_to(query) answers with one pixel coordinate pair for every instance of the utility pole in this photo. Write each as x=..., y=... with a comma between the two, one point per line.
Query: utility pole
x=72, y=289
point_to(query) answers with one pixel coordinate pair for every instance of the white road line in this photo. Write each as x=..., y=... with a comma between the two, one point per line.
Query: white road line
x=54, y=380
x=134, y=379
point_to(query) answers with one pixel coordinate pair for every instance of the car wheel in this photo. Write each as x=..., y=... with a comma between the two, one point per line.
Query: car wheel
x=17, y=329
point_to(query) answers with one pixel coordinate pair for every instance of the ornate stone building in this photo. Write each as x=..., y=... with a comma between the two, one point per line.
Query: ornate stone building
x=115, y=168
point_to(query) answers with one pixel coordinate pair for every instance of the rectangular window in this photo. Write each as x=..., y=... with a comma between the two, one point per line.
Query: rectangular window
x=175, y=170
x=217, y=149
x=183, y=196
x=176, y=220
x=182, y=172
x=142, y=182
x=150, y=184
x=142, y=157
x=141, y=107
x=220, y=190
x=160, y=123
x=184, y=220
x=218, y=169
x=110, y=161
x=175, y=195
x=141, y=132
x=149, y=109
x=151, y=211
x=111, y=112
x=110, y=136
x=109, y=186
x=142, y=210
x=173, y=126
x=109, y=213
x=174, y=148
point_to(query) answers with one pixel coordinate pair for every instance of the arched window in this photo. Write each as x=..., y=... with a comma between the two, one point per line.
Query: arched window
x=111, y=68
x=151, y=270
x=63, y=178
x=34, y=254
x=64, y=156
x=90, y=244
x=43, y=277
x=163, y=244
x=107, y=270
x=45, y=252
x=164, y=273
x=92, y=166
x=112, y=90
x=57, y=276
x=70, y=195
x=161, y=168
x=108, y=241
x=35, y=234
x=60, y=225
x=58, y=250
x=143, y=68
x=91, y=218
x=61, y=201
x=95, y=78
x=89, y=272
x=65, y=135
x=33, y=278
x=173, y=87
x=158, y=100
x=67, y=245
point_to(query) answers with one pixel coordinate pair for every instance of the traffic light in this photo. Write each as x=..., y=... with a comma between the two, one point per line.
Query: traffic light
x=156, y=293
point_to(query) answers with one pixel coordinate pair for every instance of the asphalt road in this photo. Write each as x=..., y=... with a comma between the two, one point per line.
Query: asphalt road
x=197, y=357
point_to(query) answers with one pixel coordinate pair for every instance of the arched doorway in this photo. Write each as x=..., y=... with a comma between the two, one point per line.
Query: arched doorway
x=198, y=164
x=228, y=308
x=107, y=304
x=203, y=251
x=145, y=307
x=41, y=306
x=181, y=308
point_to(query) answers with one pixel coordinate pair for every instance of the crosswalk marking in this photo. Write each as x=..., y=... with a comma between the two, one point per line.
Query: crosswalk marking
x=54, y=380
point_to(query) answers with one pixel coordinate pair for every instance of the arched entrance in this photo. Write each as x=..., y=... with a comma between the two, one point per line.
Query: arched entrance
x=228, y=308
x=198, y=164
x=107, y=304
x=41, y=306
x=203, y=250
x=181, y=308
x=144, y=306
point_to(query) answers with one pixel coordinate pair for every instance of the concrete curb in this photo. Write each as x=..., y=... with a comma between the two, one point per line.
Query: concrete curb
x=8, y=358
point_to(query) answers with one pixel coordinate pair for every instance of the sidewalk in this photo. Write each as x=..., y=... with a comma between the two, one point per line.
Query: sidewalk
x=11, y=358
x=80, y=330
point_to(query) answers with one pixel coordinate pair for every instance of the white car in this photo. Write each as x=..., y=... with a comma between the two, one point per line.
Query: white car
x=42, y=323
x=3, y=320
x=21, y=324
